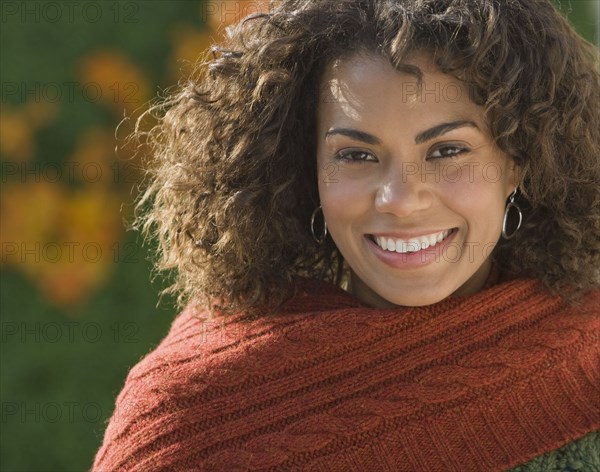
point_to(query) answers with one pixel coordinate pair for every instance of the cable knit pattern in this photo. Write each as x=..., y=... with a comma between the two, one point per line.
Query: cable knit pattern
x=474, y=383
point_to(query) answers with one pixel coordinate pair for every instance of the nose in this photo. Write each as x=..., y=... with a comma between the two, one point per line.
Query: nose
x=403, y=193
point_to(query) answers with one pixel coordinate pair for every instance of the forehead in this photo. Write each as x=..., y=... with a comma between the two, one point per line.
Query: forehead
x=366, y=84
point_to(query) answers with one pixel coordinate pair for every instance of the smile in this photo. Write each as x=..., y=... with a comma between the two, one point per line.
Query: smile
x=403, y=246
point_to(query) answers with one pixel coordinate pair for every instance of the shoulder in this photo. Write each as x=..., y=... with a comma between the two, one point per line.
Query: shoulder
x=145, y=410
x=200, y=371
x=151, y=411
x=223, y=391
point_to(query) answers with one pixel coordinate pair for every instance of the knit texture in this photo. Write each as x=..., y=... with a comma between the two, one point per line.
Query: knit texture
x=483, y=382
x=582, y=455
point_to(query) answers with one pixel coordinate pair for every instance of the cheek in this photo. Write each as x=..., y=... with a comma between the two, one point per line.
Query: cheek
x=328, y=174
x=339, y=200
x=330, y=177
x=344, y=202
x=476, y=196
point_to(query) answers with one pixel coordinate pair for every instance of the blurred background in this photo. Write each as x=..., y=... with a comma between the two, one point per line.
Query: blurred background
x=78, y=307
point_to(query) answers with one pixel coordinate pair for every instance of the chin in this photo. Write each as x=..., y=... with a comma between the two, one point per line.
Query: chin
x=415, y=297
x=416, y=301
x=391, y=295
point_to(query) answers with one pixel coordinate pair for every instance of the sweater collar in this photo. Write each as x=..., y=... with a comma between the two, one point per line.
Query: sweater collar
x=506, y=370
x=332, y=296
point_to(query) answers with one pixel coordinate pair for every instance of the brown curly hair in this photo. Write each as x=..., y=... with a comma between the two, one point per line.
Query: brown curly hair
x=232, y=178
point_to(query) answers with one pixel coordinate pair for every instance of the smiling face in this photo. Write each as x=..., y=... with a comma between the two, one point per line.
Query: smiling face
x=412, y=187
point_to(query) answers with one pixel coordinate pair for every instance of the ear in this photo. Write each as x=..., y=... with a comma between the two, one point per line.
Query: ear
x=515, y=176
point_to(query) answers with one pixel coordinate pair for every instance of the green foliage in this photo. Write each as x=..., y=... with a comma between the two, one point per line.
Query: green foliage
x=61, y=375
x=57, y=392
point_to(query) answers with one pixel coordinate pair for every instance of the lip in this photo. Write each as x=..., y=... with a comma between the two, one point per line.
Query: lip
x=410, y=260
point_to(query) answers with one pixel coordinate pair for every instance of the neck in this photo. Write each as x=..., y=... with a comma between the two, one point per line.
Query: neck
x=483, y=277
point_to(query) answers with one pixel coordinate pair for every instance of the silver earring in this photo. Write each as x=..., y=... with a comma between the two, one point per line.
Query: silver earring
x=511, y=204
x=312, y=227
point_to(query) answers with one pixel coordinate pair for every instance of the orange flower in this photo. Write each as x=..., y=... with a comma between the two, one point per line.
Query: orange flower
x=87, y=241
x=94, y=158
x=18, y=126
x=16, y=135
x=115, y=80
x=65, y=242
x=189, y=45
x=29, y=216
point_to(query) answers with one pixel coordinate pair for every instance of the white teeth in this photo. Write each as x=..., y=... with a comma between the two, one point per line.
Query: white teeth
x=391, y=245
x=411, y=245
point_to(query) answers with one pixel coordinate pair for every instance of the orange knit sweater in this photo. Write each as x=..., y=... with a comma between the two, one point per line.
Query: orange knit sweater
x=474, y=383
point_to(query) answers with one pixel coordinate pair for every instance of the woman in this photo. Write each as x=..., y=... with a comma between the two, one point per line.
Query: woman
x=384, y=220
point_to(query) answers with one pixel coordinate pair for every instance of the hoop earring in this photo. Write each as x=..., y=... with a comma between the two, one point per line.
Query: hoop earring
x=320, y=240
x=511, y=204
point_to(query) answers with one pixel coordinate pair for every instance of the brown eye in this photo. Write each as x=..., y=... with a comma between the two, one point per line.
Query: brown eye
x=447, y=151
x=353, y=156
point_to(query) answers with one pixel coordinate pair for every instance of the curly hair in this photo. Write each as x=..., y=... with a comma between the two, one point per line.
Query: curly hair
x=232, y=178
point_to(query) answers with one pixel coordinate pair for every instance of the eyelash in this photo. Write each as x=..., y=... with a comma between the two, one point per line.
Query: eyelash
x=457, y=150
x=343, y=156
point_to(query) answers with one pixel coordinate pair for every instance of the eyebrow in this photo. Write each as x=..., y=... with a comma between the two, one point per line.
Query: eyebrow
x=422, y=137
x=443, y=128
x=354, y=134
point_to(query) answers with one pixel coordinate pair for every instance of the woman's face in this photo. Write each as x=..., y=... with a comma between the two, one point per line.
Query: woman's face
x=412, y=187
